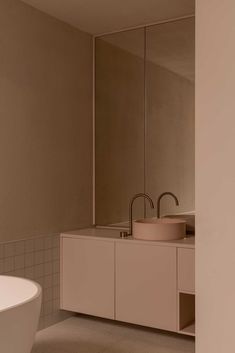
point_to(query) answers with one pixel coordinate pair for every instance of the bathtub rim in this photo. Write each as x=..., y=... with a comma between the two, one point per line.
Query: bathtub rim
x=26, y=301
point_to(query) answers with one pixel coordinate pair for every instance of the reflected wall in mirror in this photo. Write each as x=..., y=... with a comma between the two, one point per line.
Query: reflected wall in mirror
x=119, y=124
x=170, y=124
x=144, y=119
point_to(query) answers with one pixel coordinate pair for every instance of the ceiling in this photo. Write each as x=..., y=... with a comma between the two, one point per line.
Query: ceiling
x=101, y=16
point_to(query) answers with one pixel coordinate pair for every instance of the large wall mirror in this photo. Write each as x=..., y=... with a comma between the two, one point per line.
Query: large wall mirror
x=144, y=98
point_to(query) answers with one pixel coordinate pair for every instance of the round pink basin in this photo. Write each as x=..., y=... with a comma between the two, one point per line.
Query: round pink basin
x=159, y=229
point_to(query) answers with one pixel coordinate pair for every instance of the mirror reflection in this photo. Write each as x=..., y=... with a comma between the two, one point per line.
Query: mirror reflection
x=119, y=124
x=145, y=119
x=170, y=96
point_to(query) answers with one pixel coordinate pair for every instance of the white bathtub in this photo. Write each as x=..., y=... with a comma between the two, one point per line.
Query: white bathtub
x=20, y=304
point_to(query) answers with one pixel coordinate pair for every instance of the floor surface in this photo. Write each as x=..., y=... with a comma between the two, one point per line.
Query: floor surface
x=89, y=335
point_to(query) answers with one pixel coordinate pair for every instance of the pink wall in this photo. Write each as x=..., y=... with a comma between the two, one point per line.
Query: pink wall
x=215, y=175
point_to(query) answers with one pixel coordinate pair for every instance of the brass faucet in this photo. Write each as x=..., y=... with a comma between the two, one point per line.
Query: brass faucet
x=131, y=208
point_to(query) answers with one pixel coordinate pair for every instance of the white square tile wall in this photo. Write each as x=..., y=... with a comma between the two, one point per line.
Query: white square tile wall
x=37, y=259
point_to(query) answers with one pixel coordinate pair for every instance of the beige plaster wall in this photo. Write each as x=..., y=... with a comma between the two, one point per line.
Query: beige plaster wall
x=45, y=123
x=215, y=176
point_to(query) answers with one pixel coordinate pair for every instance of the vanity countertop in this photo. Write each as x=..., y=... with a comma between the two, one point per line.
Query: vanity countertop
x=111, y=234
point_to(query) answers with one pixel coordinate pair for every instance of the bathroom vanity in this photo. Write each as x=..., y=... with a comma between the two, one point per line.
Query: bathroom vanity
x=149, y=283
x=144, y=114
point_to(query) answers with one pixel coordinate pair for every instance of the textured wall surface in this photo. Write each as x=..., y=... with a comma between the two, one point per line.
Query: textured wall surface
x=45, y=124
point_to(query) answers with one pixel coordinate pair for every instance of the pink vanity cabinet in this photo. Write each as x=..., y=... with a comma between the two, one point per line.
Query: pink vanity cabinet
x=141, y=282
x=87, y=276
x=146, y=285
x=186, y=291
x=186, y=270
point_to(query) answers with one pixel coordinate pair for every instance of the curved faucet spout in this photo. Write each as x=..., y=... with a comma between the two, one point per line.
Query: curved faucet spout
x=159, y=201
x=131, y=207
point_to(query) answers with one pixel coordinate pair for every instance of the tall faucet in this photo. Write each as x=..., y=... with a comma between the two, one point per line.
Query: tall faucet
x=131, y=207
x=159, y=201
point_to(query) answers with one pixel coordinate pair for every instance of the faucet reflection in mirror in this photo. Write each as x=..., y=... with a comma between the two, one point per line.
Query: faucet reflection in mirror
x=159, y=201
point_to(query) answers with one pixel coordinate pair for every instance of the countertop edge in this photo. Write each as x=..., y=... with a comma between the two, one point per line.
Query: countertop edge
x=188, y=242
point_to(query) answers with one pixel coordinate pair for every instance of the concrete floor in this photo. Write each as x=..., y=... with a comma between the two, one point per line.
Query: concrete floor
x=88, y=335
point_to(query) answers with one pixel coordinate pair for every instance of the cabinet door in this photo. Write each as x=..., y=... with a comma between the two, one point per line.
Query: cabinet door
x=87, y=270
x=186, y=270
x=146, y=285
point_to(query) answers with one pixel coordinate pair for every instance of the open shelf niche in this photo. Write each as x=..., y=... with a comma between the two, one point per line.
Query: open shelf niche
x=187, y=313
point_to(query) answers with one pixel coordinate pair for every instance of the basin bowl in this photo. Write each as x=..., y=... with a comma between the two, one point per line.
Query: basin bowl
x=188, y=218
x=159, y=229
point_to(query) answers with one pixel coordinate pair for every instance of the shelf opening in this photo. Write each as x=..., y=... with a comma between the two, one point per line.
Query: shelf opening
x=187, y=313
